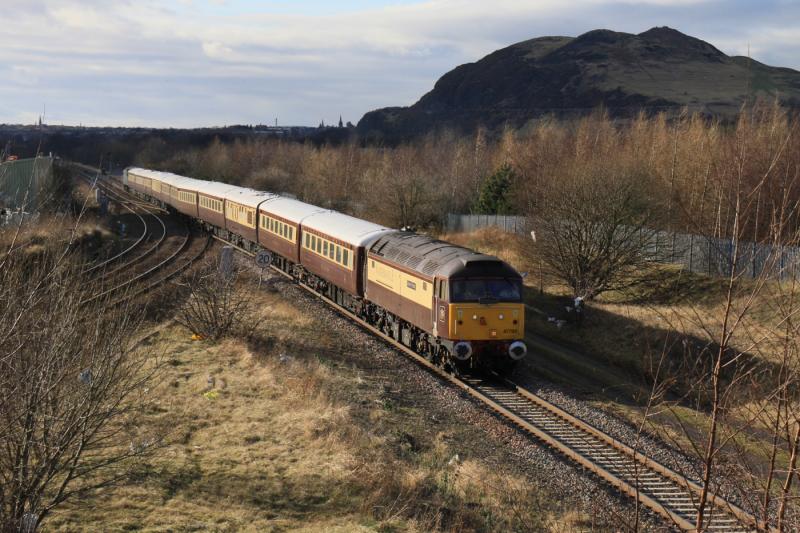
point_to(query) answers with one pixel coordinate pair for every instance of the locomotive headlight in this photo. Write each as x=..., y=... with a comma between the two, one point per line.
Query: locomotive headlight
x=474, y=317
x=500, y=316
x=517, y=350
x=462, y=350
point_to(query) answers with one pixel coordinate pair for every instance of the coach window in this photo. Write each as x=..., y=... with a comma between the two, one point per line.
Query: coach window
x=319, y=245
x=345, y=258
x=338, y=254
x=331, y=253
x=324, y=247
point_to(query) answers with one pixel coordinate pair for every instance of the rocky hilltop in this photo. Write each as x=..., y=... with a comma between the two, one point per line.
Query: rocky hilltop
x=660, y=69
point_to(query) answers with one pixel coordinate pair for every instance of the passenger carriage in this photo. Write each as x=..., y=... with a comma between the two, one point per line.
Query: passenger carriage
x=279, y=226
x=211, y=203
x=139, y=180
x=183, y=196
x=333, y=247
x=160, y=189
x=241, y=210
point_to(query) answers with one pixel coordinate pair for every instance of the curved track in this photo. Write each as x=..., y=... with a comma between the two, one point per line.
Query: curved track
x=128, y=286
x=94, y=182
x=660, y=489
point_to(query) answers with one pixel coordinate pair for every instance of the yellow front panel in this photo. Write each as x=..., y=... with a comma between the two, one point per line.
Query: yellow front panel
x=484, y=322
x=410, y=287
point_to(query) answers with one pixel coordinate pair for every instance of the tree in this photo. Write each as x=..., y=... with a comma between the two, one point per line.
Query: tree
x=73, y=386
x=593, y=230
x=216, y=305
x=494, y=195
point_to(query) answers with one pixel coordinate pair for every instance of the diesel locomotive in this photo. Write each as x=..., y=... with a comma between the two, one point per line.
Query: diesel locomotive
x=461, y=309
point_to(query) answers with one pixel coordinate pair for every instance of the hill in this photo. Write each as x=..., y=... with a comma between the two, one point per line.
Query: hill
x=660, y=69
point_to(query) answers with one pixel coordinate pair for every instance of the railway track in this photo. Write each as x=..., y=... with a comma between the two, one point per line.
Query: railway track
x=665, y=492
x=93, y=182
x=147, y=235
x=133, y=286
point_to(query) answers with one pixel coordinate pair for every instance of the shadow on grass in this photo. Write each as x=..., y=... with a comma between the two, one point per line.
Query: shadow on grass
x=618, y=356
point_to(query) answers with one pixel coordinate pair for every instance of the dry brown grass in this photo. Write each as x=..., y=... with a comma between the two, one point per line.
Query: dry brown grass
x=262, y=443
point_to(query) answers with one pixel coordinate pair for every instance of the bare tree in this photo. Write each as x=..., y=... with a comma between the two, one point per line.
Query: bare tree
x=217, y=305
x=593, y=231
x=73, y=387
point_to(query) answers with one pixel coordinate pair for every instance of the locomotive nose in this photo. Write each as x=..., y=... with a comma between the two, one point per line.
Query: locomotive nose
x=517, y=350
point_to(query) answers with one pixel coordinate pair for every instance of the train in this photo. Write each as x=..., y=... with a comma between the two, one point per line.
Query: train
x=461, y=309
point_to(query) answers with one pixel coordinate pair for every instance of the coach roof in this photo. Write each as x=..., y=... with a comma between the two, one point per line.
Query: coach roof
x=247, y=197
x=345, y=228
x=292, y=210
x=216, y=189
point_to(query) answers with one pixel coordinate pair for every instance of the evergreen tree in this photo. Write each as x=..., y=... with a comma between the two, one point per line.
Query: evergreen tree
x=494, y=196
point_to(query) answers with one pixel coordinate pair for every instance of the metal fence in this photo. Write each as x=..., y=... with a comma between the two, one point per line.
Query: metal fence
x=465, y=223
x=23, y=182
x=697, y=253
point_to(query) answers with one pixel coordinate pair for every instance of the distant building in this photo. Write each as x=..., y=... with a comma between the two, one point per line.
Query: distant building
x=341, y=124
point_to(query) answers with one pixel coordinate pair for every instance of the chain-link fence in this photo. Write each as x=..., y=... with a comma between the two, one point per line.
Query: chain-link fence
x=697, y=253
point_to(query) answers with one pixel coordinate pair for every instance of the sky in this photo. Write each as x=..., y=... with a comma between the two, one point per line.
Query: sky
x=193, y=63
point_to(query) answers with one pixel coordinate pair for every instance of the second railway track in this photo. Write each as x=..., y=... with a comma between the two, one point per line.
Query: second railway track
x=147, y=263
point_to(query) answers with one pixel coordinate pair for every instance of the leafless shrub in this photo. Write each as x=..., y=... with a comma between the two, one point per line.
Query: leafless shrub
x=217, y=304
x=73, y=387
x=592, y=231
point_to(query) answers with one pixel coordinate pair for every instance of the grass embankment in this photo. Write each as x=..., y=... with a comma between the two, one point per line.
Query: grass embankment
x=284, y=435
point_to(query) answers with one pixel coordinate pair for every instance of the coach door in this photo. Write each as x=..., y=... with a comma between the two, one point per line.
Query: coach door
x=440, y=308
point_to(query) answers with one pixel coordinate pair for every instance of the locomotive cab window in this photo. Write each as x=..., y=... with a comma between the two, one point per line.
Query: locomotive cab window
x=474, y=290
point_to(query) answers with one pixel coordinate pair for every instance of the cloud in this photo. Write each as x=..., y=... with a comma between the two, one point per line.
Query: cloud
x=197, y=62
x=217, y=50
